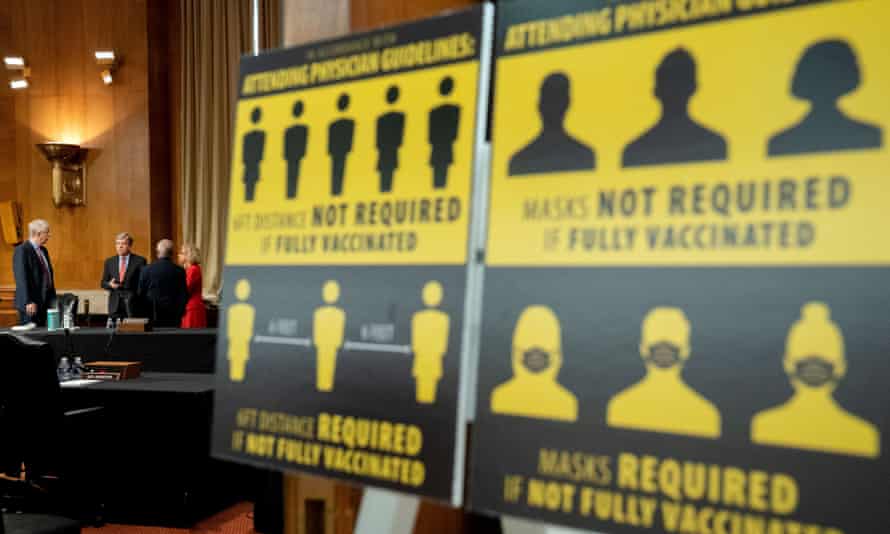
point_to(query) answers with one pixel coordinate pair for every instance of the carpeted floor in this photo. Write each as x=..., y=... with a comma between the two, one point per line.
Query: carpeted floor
x=236, y=520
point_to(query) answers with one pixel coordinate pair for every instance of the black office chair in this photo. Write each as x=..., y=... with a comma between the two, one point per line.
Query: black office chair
x=34, y=435
x=30, y=406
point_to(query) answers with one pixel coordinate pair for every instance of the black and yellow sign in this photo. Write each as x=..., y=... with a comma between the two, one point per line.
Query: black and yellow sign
x=341, y=344
x=686, y=306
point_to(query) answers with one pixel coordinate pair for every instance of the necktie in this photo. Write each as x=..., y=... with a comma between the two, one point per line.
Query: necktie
x=122, y=270
x=45, y=268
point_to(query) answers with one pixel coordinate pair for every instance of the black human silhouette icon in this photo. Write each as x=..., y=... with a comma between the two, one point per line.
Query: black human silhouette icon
x=553, y=150
x=340, y=134
x=295, y=139
x=443, y=125
x=676, y=137
x=252, y=155
x=827, y=71
x=390, y=133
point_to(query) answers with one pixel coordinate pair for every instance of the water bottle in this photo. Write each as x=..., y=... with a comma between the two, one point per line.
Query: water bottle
x=64, y=369
x=109, y=323
x=77, y=368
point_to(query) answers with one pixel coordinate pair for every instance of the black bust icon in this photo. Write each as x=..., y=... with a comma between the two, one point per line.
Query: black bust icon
x=827, y=71
x=676, y=137
x=553, y=149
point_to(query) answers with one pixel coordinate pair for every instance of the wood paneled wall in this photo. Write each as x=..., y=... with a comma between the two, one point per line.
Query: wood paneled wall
x=68, y=102
x=370, y=14
x=311, y=20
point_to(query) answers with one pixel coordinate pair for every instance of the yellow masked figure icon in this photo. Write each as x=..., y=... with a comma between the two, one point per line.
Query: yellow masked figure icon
x=239, y=331
x=328, y=325
x=429, y=341
x=811, y=419
x=537, y=358
x=662, y=401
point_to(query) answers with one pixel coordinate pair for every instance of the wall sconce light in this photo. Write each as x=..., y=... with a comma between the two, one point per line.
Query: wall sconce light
x=107, y=59
x=68, y=174
x=20, y=68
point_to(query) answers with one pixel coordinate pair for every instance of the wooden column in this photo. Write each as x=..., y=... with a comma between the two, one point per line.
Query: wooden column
x=370, y=14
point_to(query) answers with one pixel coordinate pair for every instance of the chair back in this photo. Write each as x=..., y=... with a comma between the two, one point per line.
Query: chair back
x=31, y=413
x=68, y=302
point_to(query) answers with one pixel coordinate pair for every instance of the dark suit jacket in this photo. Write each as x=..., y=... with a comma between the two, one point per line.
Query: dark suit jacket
x=162, y=289
x=31, y=284
x=130, y=283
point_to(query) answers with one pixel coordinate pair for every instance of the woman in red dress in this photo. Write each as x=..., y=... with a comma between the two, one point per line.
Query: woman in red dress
x=195, y=313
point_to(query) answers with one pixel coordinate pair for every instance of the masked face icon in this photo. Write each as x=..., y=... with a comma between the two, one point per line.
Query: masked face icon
x=814, y=371
x=536, y=359
x=664, y=355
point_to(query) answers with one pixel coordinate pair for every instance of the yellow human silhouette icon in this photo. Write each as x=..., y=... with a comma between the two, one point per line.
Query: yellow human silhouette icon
x=328, y=325
x=537, y=358
x=429, y=342
x=812, y=419
x=662, y=401
x=239, y=331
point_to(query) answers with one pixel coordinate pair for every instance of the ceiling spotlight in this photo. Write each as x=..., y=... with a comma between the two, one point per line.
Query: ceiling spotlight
x=14, y=62
x=18, y=83
x=105, y=57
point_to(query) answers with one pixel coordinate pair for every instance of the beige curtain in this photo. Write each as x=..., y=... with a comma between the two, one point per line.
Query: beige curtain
x=215, y=33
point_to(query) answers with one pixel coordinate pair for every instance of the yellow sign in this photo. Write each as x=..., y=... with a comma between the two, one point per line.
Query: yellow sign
x=685, y=148
x=374, y=171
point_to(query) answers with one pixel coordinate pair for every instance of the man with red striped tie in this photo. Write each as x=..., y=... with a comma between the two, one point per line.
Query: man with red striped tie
x=121, y=277
x=35, y=289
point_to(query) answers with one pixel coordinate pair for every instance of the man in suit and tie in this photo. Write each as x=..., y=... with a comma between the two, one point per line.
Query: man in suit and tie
x=121, y=277
x=35, y=290
x=162, y=287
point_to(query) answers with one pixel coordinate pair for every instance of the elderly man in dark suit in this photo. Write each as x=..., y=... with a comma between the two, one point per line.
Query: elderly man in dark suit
x=121, y=277
x=162, y=288
x=35, y=289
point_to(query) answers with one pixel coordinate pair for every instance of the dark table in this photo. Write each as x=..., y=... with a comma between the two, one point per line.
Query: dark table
x=165, y=350
x=150, y=456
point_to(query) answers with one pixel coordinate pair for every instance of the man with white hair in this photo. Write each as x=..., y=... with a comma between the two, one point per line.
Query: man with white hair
x=162, y=288
x=35, y=289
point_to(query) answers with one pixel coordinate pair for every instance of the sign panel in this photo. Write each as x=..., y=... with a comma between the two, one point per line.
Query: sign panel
x=341, y=341
x=685, y=307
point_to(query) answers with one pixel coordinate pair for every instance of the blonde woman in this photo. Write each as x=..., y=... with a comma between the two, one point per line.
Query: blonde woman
x=195, y=313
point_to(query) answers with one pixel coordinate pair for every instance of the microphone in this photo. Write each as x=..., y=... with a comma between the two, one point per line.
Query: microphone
x=68, y=345
x=108, y=343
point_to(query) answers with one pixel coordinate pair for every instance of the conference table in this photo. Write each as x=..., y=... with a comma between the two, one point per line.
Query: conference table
x=149, y=455
x=163, y=350
x=149, y=448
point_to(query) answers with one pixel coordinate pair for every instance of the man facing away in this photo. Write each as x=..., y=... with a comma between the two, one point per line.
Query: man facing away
x=120, y=277
x=162, y=287
x=35, y=289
